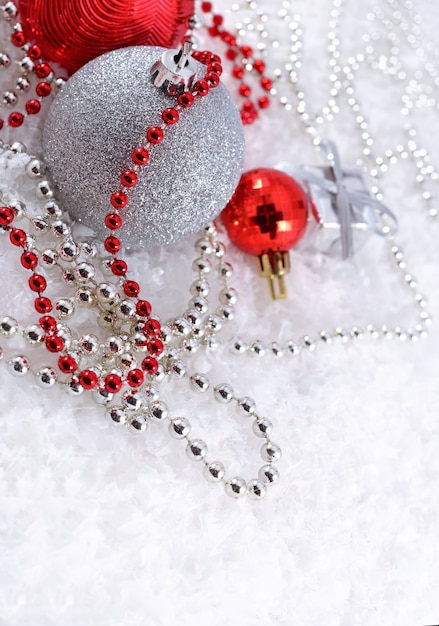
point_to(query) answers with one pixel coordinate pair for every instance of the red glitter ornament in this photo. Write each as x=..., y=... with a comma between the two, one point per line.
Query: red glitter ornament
x=266, y=216
x=72, y=32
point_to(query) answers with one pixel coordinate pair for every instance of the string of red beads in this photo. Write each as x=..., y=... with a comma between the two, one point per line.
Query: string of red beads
x=31, y=62
x=241, y=56
x=67, y=363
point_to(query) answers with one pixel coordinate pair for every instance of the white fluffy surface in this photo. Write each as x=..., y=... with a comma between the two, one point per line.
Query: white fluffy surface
x=101, y=528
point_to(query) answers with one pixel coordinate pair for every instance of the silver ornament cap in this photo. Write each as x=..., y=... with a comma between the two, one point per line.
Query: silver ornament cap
x=102, y=114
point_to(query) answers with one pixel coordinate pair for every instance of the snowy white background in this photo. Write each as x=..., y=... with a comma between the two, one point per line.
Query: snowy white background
x=101, y=528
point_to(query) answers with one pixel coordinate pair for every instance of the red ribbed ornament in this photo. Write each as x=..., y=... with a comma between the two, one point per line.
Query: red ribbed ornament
x=73, y=32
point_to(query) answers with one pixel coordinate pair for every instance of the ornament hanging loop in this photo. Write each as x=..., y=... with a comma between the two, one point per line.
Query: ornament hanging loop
x=274, y=266
x=175, y=71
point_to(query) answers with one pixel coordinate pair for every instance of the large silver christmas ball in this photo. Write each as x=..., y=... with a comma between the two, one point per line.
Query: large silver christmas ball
x=102, y=114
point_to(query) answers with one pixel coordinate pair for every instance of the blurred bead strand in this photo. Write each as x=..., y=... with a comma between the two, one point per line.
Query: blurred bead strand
x=29, y=64
x=288, y=87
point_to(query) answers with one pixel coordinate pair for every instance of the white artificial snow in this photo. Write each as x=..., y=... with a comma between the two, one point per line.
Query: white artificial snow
x=101, y=528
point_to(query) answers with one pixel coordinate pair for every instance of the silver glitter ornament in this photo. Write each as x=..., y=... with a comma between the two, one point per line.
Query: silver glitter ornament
x=102, y=114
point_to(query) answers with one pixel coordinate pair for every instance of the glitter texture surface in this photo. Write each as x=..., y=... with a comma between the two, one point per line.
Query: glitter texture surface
x=102, y=114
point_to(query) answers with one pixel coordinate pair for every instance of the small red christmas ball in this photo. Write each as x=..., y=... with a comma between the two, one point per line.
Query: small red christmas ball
x=267, y=213
x=72, y=32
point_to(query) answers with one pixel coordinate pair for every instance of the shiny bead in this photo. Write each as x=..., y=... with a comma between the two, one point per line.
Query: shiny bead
x=53, y=209
x=113, y=221
x=6, y=216
x=61, y=229
x=193, y=317
x=178, y=369
x=151, y=393
x=8, y=326
x=228, y=296
x=269, y=474
x=44, y=190
x=143, y=308
x=179, y=428
x=88, y=379
x=200, y=288
x=196, y=450
x=19, y=365
x=246, y=406
x=258, y=348
x=43, y=89
x=15, y=119
x=89, y=344
x=126, y=310
x=119, y=199
x=256, y=489
x=107, y=294
x=150, y=365
x=115, y=345
x=68, y=250
x=129, y=178
x=226, y=312
x=201, y=88
x=223, y=393
x=293, y=348
x=41, y=224
x=158, y=411
x=73, y=387
x=135, y=377
x=262, y=427
x=181, y=326
x=67, y=364
x=203, y=247
x=26, y=65
x=85, y=272
x=202, y=265
x=185, y=100
x=112, y=244
x=32, y=107
x=5, y=60
x=118, y=415
x=132, y=400
x=271, y=452
x=35, y=52
x=170, y=116
x=140, y=156
x=236, y=487
x=46, y=377
x=131, y=288
x=155, y=347
x=48, y=323
x=43, y=305
x=69, y=277
x=34, y=168
x=127, y=361
x=37, y=283
x=17, y=237
x=214, y=472
x=138, y=424
x=34, y=335
x=200, y=382
x=84, y=296
x=64, y=308
x=154, y=135
x=54, y=343
x=101, y=396
x=199, y=304
x=113, y=383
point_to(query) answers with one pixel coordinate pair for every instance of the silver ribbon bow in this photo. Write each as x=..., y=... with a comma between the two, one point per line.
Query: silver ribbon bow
x=350, y=203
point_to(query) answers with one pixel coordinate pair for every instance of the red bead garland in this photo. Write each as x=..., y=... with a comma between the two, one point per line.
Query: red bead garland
x=243, y=56
x=54, y=343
